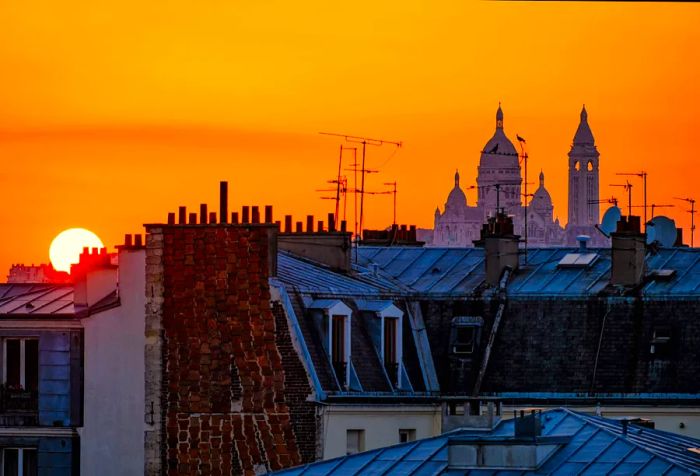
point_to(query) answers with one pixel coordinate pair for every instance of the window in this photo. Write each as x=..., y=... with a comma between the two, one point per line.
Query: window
x=406, y=435
x=391, y=363
x=20, y=376
x=338, y=351
x=21, y=364
x=465, y=334
x=660, y=342
x=464, y=342
x=19, y=462
x=355, y=441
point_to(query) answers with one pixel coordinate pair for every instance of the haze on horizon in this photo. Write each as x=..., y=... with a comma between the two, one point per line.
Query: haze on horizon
x=111, y=117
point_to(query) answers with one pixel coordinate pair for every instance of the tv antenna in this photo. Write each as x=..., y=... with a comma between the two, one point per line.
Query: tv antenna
x=612, y=200
x=365, y=141
x=643, y=176
x=627, y=186
x=523, y=158
x=653, y=207
x=692, y=216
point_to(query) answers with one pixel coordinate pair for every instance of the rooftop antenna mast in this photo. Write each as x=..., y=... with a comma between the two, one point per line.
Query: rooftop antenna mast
x=523, y=158
x=365, y=141
x=393, y=184
x=643, y=176
x=612, y=200
x=692, y=216
x=653, y=207
x=627, y=186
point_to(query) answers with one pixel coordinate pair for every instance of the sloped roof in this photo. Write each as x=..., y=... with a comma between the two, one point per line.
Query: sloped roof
x=596, y=446
x=452, y=272
x=28, y=300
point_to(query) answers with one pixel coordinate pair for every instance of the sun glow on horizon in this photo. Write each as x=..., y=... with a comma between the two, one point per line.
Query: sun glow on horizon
x=65, y=249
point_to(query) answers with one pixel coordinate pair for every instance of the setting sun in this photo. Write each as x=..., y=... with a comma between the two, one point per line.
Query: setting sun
x=65, y=249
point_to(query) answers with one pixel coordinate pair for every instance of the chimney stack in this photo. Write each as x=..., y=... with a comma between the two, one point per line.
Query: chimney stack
x=628, y=252
x=500, y=247
x=223, y=201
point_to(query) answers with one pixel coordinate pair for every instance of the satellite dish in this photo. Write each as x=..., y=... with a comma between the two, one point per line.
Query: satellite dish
x=651, y=232
x=664, y=230
x=610, y=218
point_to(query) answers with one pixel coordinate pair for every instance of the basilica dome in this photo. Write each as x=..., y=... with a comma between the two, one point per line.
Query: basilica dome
x=456, y=200
x=499, y=151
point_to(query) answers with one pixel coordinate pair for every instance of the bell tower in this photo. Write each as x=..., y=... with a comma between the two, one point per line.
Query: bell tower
x=584, y=179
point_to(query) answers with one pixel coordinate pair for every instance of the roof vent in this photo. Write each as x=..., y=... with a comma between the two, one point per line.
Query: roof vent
x=583, y=242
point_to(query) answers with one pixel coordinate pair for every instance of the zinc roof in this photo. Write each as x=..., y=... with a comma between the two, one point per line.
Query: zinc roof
x=595, y=445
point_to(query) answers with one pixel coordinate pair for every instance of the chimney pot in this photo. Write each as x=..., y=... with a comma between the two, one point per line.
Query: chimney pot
x=139, y=242
x=193, y=219
x=583, y=242
x=309, y=223
x=223, y=201
x=212, y=218
x=268, y=213
x=288, y=223
x=203, y=213
x=256, y=215
x=171, y=218
x=182, y=218
x=127, y=240
x=320, y=226
x=245, y=214
x=234, y=218
x=343, y=226
x=331, y=222
x=299, y=227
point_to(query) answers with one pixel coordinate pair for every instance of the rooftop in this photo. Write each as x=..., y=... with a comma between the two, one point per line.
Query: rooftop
x=588, y=445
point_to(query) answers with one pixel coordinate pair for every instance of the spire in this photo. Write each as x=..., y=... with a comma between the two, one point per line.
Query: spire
x=541, y=178
x=584, y=136
x=499, y=117
x=457, y=178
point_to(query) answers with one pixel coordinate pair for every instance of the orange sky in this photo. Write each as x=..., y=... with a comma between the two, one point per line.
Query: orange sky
x=112, y=116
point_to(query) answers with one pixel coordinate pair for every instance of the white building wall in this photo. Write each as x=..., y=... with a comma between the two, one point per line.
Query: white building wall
x=381, y=424
x=112, y=438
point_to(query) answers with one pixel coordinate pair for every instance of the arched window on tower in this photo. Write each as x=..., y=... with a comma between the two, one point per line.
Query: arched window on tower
x=577, y=165
x=590, y=166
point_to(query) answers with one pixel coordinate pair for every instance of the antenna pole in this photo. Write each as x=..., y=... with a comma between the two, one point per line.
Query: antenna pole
x=337, y=189
x=362, y=187
x=394, y=192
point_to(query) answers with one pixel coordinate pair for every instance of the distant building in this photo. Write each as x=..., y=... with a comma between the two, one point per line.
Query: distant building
x=499, y=185
x=43, y=273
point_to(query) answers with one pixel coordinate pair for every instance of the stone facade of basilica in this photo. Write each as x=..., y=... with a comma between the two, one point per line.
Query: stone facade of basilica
x=499, y=183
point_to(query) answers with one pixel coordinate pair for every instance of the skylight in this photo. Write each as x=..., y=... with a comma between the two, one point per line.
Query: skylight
x=577, y=260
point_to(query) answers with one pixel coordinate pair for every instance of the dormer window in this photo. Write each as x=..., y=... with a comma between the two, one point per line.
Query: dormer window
x=334, y=327
x=391, y=354
x=465, y=334
x=339, y=349
x=386, y=329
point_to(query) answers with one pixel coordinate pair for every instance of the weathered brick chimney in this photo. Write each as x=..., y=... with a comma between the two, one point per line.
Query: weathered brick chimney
x=218, y=396
x=628, y=252
x=500, y=247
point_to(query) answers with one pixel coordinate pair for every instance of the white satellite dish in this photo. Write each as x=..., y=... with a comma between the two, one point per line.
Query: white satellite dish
x=664, y=230
x=610, y=218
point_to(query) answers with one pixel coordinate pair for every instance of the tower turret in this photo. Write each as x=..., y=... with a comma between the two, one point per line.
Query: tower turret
x=584, y=180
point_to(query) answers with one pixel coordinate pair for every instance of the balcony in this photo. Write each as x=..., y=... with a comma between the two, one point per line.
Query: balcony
x=18, y=407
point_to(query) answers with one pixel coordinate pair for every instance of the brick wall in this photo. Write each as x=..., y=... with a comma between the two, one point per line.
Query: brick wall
x=233, y=391
x=550, y=345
